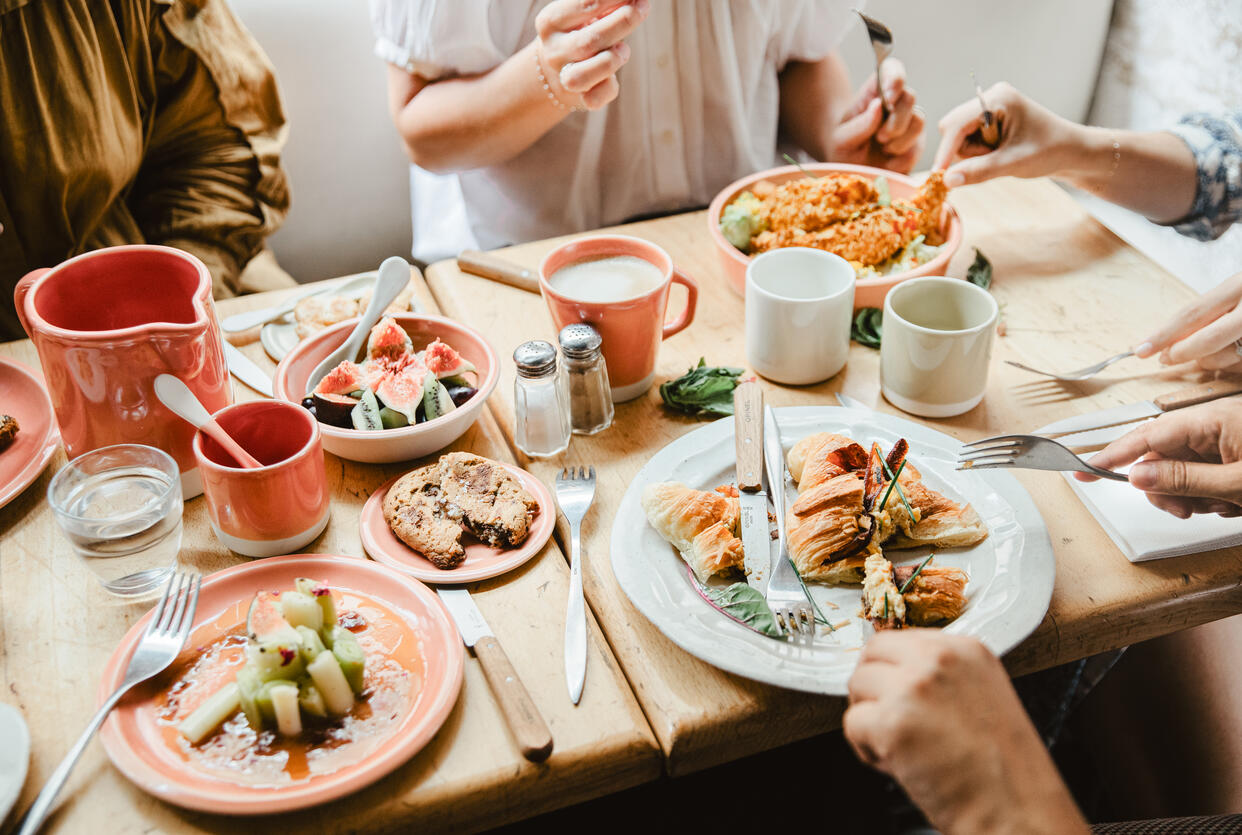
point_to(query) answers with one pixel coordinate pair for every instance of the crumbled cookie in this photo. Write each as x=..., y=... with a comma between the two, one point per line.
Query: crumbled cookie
x=418, y=513
x=8, y=430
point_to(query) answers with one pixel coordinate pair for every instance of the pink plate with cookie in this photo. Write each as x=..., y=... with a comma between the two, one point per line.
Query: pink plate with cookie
x=27, y=445
x=479, y=560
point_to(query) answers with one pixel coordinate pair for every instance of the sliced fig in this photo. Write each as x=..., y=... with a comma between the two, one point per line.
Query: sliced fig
x=343, y=379
x=388, y=339
x=403, y=391
x=334, y=409
x=441, y=360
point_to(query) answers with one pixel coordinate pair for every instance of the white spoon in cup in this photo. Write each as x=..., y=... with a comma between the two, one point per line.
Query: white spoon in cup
x=177, y=396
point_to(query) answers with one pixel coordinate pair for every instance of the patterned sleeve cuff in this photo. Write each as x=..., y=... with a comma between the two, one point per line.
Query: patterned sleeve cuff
x=1216, y=144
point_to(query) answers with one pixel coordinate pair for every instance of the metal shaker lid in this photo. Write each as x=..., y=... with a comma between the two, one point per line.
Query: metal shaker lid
x=580, y=341
x=535, y=358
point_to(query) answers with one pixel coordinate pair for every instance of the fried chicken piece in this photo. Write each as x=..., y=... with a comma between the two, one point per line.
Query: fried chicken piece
x=930, y=201
x=813, y=203
x=8, y=430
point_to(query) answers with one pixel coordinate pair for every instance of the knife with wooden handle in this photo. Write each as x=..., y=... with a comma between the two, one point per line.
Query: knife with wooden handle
x=752, y=500
x=486, y=265
x=1131, y=412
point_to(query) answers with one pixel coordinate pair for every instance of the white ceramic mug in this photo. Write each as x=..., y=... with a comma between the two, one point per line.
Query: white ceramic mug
x=937, y=344
x=799, y=304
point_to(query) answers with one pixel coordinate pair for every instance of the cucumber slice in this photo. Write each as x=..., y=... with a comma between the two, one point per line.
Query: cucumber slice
x=325, y=671
x=312, y=644
x=264, y=699
x=311, y=700
x=284, y=696
x=436, y=399
x=323, y=596
x=350, y=656
x=275, y=660
x=392, y=419
x=366, y=415
x=301, y=610
x=248, y=685
x=208, y=716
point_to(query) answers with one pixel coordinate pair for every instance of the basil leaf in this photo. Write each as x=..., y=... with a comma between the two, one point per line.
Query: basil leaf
x=980, y=271
x=703, y=390
x=745, y=605
x=868, y=327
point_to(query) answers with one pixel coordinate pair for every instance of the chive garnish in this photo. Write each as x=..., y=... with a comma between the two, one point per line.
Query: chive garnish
x=793, y=161
x=886, y=604
x=819, y=616
x=892, y=484
x=916, y=573
x=901, y=495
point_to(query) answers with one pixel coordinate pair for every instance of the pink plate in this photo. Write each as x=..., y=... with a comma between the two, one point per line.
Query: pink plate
x=482, y=560
x=138, y=742
x=23, y=395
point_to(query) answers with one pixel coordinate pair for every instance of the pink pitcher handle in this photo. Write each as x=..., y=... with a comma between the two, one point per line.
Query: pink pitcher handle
x=22, y=290
x=692, y=298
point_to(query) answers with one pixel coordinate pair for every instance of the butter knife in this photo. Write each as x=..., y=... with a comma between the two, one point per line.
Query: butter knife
x=244, y=369
x=525, y=722
x=1131, y=412
x=752, y=501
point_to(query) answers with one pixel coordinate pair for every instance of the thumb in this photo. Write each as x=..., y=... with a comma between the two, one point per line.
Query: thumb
x=857, y=130
x=1171, y=477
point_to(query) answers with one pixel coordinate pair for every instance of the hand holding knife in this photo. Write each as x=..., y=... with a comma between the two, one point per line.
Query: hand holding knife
x=1107, y=425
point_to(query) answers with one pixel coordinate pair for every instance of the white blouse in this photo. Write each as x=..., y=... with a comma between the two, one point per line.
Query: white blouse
x=698, y=108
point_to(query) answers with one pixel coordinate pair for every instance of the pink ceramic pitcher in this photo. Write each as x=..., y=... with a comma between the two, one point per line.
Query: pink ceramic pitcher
x=106, y=324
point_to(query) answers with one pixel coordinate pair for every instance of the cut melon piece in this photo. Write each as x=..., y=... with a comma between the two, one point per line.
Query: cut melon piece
x=443, y=361
x=388, y=339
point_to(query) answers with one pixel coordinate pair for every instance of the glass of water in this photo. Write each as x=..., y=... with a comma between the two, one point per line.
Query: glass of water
x=120, y=507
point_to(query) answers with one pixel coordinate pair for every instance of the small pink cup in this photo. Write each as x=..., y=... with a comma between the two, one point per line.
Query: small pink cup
x=632, y=329
x=277, y=508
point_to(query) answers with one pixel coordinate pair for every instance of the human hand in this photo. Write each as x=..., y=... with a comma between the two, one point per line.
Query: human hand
x=865, y=137
x=1034, y=141
x=1207, y=332
x=581, y=46
x=1191, y=459
x=937, y=713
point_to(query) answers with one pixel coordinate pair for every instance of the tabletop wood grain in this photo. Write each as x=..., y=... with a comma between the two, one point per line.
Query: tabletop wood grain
x=58, y=627
x=1071, y=293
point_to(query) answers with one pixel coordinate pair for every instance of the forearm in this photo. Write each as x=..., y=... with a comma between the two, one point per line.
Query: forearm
x=814, y=97
x=1152, y=173
x=472, y=122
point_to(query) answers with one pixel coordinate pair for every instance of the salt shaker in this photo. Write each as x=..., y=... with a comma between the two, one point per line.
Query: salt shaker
x=590, y=398
x=541, y=408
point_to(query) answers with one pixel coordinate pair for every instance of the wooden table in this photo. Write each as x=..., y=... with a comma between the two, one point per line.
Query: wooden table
x=58, y=627
x=1071, y=292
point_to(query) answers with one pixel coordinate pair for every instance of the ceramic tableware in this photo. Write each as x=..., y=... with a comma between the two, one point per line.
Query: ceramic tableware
x=408, y=442
x=482, y=560
x=282, y=505
x=1011, y=572
x=105, y=324
x=26, y=400
x=14, y=756
x=870, y=291
x=146, y=749
x=799, y=304
x=938, y=335
x=177, y=396
x=632, y=326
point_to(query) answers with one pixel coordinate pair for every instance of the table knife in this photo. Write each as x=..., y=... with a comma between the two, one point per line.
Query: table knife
x=1099, y=437
x=486, y=265
x=524, y=720
x=752, y=501
x=244, y=369
x=1143, y=409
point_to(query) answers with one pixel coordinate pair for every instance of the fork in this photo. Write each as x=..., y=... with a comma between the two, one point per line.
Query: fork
x=1028, y=452
x=786, y=596
x=1073, y=376
x=881, y=38
x=574, y=493
x=161, y=643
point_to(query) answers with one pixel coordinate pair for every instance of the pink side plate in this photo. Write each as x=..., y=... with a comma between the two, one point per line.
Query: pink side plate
x=482, y=560
x=133, y=737
x=23, y=395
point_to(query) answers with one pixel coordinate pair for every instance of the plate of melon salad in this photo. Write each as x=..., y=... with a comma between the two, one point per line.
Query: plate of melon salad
x=395, y=386
x=305, y=678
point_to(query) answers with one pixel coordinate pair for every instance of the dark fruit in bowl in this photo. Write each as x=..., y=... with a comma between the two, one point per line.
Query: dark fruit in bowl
x=333, y=409
x=461, y=394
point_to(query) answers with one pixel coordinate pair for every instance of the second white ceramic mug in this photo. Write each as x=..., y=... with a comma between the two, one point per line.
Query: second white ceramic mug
x=937, y=344
x=799, y=304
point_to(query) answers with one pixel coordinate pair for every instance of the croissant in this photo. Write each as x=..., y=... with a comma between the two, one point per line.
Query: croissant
x=701, y=526
x=824, y=526
x=883, y=603
x=937, y=595
x=819, y=457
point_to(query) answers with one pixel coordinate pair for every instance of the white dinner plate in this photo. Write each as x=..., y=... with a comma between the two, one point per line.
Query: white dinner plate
x=1011, y=572
x=14, y=756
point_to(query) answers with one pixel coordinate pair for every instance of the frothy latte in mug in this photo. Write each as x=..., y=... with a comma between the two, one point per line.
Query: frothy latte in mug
x=607, y=278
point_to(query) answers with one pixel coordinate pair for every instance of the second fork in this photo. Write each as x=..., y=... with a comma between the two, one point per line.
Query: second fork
x=575, y=490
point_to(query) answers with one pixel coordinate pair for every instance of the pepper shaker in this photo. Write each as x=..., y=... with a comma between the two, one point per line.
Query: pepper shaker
x=590, y=398
x=541, y=408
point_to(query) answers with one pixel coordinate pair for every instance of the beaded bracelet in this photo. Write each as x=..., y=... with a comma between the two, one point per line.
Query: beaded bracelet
x=547, y=88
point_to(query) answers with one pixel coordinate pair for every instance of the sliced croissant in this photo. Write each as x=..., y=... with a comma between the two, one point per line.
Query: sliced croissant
x=701, y=526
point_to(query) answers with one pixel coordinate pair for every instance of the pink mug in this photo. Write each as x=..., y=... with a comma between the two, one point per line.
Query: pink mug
x=275, y=509
x=631, y=328
x=106, y=324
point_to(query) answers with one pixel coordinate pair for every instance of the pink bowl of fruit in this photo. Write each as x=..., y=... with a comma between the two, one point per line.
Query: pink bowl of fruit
x=421, y=383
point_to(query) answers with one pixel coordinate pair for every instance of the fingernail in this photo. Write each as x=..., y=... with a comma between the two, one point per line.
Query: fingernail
x=954, y=178
x=1143, y=476
x=1143, y=351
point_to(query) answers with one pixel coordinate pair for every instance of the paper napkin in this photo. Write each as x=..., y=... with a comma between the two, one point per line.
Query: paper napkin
x=1143, y=532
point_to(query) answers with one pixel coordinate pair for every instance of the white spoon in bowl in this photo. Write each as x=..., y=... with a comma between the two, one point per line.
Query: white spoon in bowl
x=177, y=396
x=394, y=274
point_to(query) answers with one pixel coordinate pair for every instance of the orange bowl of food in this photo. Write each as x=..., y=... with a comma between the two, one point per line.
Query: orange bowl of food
x=890, y=227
